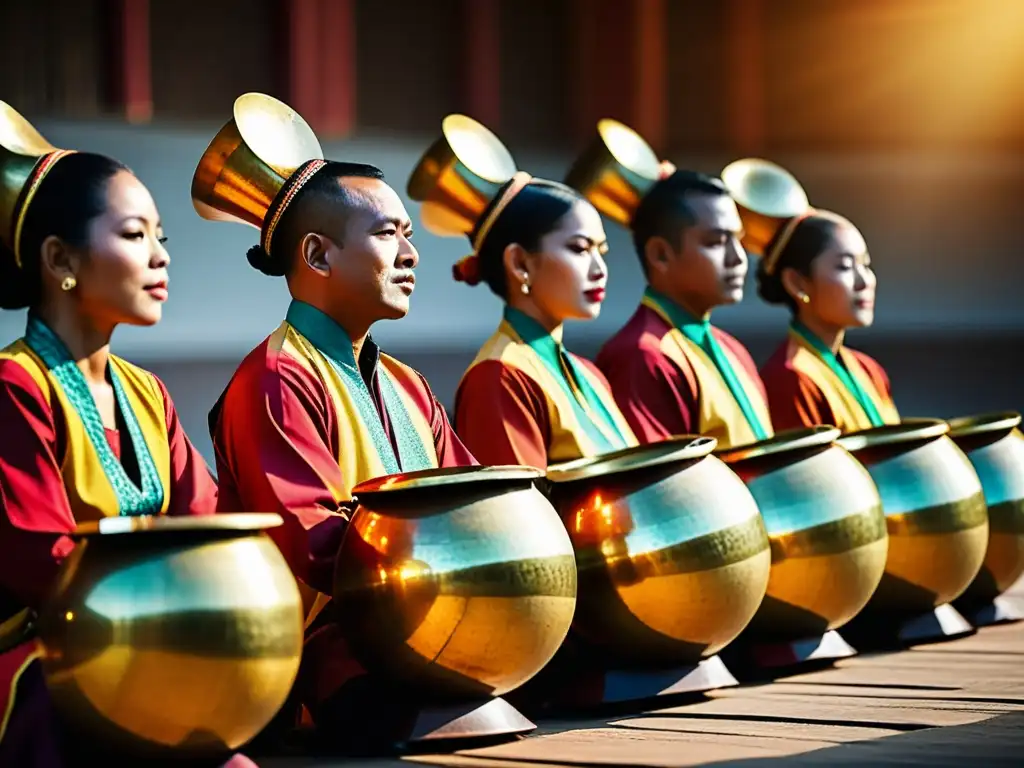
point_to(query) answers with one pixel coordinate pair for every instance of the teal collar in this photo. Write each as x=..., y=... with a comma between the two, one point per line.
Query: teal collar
x=556, y=358
x=332, y=340
x=679, y=316
x=408, y=453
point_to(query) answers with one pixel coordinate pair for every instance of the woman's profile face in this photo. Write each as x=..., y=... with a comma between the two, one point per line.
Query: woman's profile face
x=123, y=278
x=842, y=284
x=568, y=273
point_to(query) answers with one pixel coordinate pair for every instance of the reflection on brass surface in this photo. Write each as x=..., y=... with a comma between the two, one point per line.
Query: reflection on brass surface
x=21, y=148
x=250, y=159
x=459, y=175
x=995, y=447
x=672, y=553
x=825, y=524
x=767, y=195
x=934, y=510
x=460, y=582
x=181, y=639
x=615, y=171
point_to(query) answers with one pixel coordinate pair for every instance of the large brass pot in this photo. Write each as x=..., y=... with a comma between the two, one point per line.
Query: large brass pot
x=995, y=447
x=672, y=554
x=934, y=512
x=172, y=636
x=825, y=523
x=458, y=582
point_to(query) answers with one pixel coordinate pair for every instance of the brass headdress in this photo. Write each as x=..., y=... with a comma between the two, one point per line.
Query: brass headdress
x=615, y=172
x=256, y=165
x=771, y=202
x=25, y=159
x=458, y=178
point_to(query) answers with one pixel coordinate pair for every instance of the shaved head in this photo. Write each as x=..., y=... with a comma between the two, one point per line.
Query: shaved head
x=324, y=206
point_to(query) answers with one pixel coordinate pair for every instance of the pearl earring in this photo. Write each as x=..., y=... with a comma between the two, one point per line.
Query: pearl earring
x=525, y=288
x=805, y=298
x=68, y=283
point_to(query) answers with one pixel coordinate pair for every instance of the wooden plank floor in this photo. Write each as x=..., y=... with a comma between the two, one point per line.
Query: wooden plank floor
x=936, y=705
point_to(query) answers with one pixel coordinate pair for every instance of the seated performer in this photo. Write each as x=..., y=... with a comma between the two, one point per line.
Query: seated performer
x=816, y=263
x=317, y=408
x=671, y=371
x=86, y=435
x=539, y=247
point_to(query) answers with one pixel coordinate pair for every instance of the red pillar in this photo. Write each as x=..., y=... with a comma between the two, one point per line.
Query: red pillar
x=321, y=63
x=619, y=66
x=745, y=59
x=481, y=61
x=132, y=69
x=337, y=58
x=302, y=29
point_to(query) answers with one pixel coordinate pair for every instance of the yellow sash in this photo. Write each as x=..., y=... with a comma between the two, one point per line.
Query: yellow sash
x=719, y=414
x=357, y=456
x=847, y=412
x=89, y=491
x=569, y=439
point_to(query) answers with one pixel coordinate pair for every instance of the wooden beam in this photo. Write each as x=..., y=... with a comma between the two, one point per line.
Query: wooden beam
x=132, y=79
x=745, y=110
x=481, y=61
x=337, y=61
x=619, y=66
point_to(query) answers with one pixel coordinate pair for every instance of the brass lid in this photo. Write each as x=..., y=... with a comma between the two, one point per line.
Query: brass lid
x=459, y=175
x=248, y=521
x=616, y=170
x=909, y=430
x=967, y=426
x=790, y=440
x=250, y=159
x=21, y=149
x=672, y=450
x=767, y=196
x=446, y=476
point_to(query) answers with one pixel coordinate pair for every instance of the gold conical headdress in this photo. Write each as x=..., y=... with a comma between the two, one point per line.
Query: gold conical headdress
x=25, y=159
x=251, y=159
x=769, y=199
x=615, y=172
x=459, y=175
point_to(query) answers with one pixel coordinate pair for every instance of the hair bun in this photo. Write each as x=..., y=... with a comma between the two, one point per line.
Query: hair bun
x=467, y=270
x=264, y=262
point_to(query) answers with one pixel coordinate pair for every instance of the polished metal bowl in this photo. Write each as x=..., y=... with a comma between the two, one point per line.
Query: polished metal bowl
x=172, y=636
x=459, y=582
x=827, y=531
x=673, y=556
x=934, y=512
x=995, y=447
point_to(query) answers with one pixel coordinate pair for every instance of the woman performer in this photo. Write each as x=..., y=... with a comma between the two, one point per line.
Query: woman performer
x=539, y=246
x=86, y=435
x=817, y=264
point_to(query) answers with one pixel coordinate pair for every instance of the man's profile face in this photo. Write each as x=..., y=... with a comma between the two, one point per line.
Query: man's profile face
x=372, y=262
x=710, y=265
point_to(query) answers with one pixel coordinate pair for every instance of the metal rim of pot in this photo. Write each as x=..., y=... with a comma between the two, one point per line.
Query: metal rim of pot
x=243, y=521
x=783, y=442
x=436, y=478
x=669, y=451
x=909, y=430
x=966, y=426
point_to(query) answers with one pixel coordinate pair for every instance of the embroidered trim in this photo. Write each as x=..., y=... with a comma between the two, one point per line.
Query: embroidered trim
x=293, y=184
x=34, y=182
x=131, y=500
x=412, y=453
